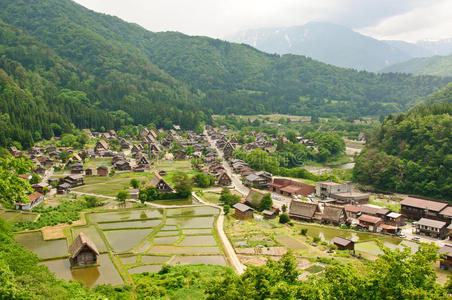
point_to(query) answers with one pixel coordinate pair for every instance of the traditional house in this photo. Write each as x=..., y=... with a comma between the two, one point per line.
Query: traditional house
x=290, y=188
x=38, y=187
x=243, y=211
x=76, y=158
x=446, y=214
x=369, y=222
x=343, y=244
x=305, y=211
x=334, y=215
x=270, y=214
x=417, y=208
x=89, y=172
x=143, y=162
x=429, y=227
x=101, y=146
x=102, y=171
x=254, y=198
x=83, y=251
x=134, y=193
x=77, y=168
x=125, y=144
x=326, y=188
x=14, y=151
x=136, y=149
x=350, y=198
x=224, y=179
x=34, y=200
x=228, y=149
x=446, y=257
x=123, y=165
x=74, y=180
x=63, y=188
x=395, y=219
x=40, y=170
x=161, y=185
x=255, y=180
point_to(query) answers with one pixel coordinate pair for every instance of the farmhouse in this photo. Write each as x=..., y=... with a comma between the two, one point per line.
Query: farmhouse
x=333, y=215
x=83, y=251
x=102, y=171
x=243, y=211
x=343, y=244
x=123, y=165
x=351, y=198
x=305, y=211
x=74, y=180
x=446, y=257
x=34, y=199
x=256, y=180
x=77, y=168
x=63, y=188
x=254, y=198
x=224, y=179
x=101, y=146
x=290, y=188
x=228, y=149
x=417, y=208
x=395, y=219
x=161, y=185
x=434, y=228
x=369, y=222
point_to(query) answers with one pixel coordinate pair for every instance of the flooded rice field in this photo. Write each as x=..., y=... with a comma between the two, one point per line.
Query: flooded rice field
x=105, y=273
x=195, y=222
x=123, y=240
x=182, y=250
x=168, y=233
x=130, y=224
x=198, y=240
x=199, y=259
x=192, y=211
x=134, y=214
x=197, y=231
x=92, y=233
x=129, y=259
x=44, y=249
x=149, y=259
x=168, y=240
x=145, y=268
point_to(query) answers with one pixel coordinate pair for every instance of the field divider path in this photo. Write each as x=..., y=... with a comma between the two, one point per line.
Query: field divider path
x=238, y=267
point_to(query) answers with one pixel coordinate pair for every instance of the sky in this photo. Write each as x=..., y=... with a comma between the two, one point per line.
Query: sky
x=408, y=20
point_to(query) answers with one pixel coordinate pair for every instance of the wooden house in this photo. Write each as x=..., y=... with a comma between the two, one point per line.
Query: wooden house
x=74, y=180
x=102, y=171
x=143, y=162
x=270, y=214
x=161, y=185
x=14, y=151
x=77, y=168
x=290, y=188
x=433, y=228
x=446, y=257
x=343, y=244
x=254, y=198
x=83, y=251
x=228, y=149
x=395, y=219
x=101, y=146
x=334, y=215
x=371, y=223
x=123, y=165
x=417, y=208
x=305, y=211
x=243, y=211
x=224, y=179
x=89, y=172
x=34, y=200
x=63, y=188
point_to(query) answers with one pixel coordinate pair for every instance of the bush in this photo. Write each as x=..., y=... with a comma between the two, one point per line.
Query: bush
x=316, y=239
x=134, y=183
x=283, y=219
x=226, y=209
x=303, y=231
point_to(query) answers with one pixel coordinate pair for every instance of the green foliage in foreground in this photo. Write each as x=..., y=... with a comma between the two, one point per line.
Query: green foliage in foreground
x=178, y=282
x=13, y=188
x=22, y=278
x=394, y=275
x=66, y=212
x=411, y=153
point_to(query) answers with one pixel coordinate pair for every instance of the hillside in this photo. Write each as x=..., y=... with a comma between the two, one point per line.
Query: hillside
x=82, y=68
x=412, y=152
x=326, y=42
x=435, y=65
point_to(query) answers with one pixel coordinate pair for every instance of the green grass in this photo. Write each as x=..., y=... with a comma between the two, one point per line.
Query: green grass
x=315, y=269
x=391, y=205
x=211, y=197
x=110, y=186
x=94, y=163
x=12, y=217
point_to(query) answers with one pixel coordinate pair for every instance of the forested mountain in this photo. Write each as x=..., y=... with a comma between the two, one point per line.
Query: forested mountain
x=435, y=65
x=327, y=42
x=64, y=65
x=412, y=152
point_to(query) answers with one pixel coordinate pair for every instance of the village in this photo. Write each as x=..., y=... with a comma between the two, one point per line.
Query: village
x=325, y=218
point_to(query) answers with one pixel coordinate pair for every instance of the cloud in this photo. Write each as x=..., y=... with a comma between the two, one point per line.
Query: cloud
x=218, y=18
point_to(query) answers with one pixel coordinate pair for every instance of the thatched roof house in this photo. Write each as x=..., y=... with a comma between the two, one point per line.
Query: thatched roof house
x=83, y=251
x=303, y=210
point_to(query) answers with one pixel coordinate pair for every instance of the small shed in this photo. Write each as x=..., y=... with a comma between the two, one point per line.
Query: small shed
x=89, y=172
x=102, y=171
x=446, y=257
x=343, y=244
x=270, y=214
x=243, y=211
x=83, y=251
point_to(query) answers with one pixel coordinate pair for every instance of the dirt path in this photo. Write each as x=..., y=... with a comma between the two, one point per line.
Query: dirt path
x=228, y=249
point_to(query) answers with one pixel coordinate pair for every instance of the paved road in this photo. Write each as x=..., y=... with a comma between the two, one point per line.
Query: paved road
x=228, y=249
x=408, y=230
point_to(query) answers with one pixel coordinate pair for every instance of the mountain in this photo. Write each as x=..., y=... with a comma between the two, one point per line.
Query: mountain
x=412, y=49
x=435, y=65
x=327, y=42
x=412, y=152
x=440, y=47
x=64, y=66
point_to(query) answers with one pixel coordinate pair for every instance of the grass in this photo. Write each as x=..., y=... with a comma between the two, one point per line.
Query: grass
x=211, y=197
x=19, y=216
x=110, y=186
x=94, y=163
x=315, y=269
x=389, y=204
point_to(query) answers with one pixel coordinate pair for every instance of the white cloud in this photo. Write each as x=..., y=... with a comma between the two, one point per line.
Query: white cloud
x=402, y=19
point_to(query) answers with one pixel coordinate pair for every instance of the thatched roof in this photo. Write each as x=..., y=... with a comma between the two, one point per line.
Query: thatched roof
x=333, y=213
x=79, y=243
x=302, y=209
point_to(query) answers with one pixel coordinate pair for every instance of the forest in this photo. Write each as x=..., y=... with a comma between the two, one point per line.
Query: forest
x=412, y=152
x=63, y=66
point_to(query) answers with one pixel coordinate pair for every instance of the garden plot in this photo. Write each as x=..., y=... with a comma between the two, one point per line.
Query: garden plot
x=123, y=240
x=194, y=222
x=13, y=216
x=92, y=233
x=44, y=249
x=130, y=224
x=105, y=273
x=135, y=214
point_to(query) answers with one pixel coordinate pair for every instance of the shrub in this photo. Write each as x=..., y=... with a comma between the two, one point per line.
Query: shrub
x=303, y=231
x=226, y=209
x=283, y=219
x=316, y=239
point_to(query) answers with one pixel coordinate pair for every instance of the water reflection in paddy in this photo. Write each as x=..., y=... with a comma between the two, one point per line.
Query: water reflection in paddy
x=44, y=249
x=93, y=235
x=196, y=222
x=198, y=240
x=105, y=273
x=181, y=250
x=192, y=211
x=123, y=240
x=130, y=224
x=147, y=259
x=126, y=215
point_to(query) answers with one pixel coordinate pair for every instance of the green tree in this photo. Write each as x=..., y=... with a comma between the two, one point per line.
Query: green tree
x=266, y=202
x=12, y=187
x=134, y=183
x=182, y=184
x=122, y=196
x=35, y=178
x=283, y=219
x=92, y=201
